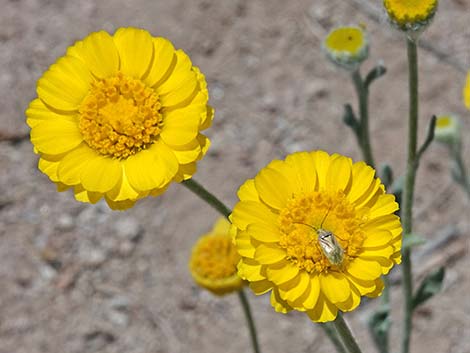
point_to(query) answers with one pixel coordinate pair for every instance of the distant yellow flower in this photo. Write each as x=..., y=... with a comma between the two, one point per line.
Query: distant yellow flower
x=120, y=117
x=347, y=46
x=318, y=232
x=214, y=260
x=466, y=92
x=447, y=129
x=411, y=15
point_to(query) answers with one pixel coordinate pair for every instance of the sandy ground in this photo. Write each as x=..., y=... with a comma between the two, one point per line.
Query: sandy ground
x=80, y=278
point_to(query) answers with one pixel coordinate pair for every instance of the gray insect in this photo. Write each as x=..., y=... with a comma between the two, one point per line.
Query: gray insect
x=330, y=247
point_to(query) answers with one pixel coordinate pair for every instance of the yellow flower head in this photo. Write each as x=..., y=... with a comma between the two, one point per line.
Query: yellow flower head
x=347, y=46
x=318, y=232
x=447, y=129
x=214, y=260
x=119, y=116
x=411, y=15
x=466, y=92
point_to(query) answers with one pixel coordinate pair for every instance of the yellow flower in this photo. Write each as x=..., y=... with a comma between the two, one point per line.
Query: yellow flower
x=447, y=129
x=347, y=46
x=466, y=92
x=318, y=232
x=411, y=15
x=119, y=116
x=214, y=260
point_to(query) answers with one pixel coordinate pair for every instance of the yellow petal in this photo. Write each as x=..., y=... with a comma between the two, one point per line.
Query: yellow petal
x=188, y=153
x=269, y=254
x=65, y=84
x=249, y=212
x=99, y=54
x=362, y=180
x=248, y=192
x=185, y=171
x=335, y=287
x=244, y=246
x=181, y=85
x=351, y=303
x=365, y=270
x=273, y=188
x=362, y=286
x=385, y=205
x=379, y=286
x=466, y=92
x=37, y=113
x=295, y=289
x=377, y=238
x=135, y=47
x=151, y=168
x=180, y=126
x=83, y=195
x=322, y=165
x=120, y=205
x=304, y=166
x=371, y=196
x=56, y=136
x=314, y=292
x=101, y=174
x=122, y=191
x=71, y=166
x=49, y=168
x=339, y=174
x=281, y=272
x=324, y=311
x=260, y=287
x=250, y=270
x=278, y=304
x=206, y=117
x=164, y=60
x=266, y=233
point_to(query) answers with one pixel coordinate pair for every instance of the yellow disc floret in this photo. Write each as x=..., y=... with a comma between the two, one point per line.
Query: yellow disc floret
x=120, y=116
x=347, y=46
x=410, y=13
x=308, y=213
x=214, y=260
x=350, y=39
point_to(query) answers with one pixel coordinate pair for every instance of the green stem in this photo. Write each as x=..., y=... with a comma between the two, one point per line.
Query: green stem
x=205, y=195
x=200, y=191
x=346, y=335
x=363, y=97
x=408, y=192
x=333, y=336
x=249, y=320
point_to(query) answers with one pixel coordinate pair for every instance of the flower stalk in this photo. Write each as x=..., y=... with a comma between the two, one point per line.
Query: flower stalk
x=213, y=201
x=333, y=336
x=408, y=192
x=249, y=320
x=346, y=335
x=363, y=96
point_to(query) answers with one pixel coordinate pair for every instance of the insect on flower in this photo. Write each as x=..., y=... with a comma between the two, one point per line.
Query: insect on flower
x=330, y=247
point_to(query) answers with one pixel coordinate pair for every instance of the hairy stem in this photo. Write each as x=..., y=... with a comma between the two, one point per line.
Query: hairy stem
x=408, y=193
x=346, y=335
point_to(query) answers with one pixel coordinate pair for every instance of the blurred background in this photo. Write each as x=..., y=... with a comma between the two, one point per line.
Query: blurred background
x=80, y=278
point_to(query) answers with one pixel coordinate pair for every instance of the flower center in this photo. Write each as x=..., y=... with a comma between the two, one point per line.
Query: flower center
x=347, y=39
x=120, y=116
x=216, y=258
x=410, y=11
x=443, y=121
x=305, y=220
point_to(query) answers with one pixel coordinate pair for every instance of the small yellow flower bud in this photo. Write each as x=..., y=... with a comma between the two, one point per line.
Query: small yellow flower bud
x=347, y=47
